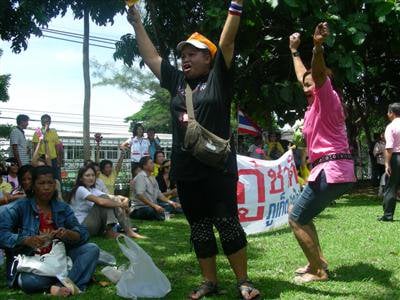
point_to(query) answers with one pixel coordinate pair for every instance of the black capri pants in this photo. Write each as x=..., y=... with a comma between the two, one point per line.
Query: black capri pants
x=210, y=202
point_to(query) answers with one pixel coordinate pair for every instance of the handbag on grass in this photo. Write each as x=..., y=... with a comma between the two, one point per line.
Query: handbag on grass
x=204, y=145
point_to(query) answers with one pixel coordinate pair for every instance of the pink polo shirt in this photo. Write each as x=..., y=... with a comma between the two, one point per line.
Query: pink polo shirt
x=325, y=133
x=392, y=135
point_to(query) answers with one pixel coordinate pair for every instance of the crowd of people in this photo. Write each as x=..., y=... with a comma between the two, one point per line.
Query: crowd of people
x=91, y=208
x=33, y=211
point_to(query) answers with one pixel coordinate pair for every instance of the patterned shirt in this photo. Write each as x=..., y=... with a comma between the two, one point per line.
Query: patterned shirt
x=17, y=137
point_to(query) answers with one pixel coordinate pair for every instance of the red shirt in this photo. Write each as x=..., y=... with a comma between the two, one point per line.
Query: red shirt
x=46, y=225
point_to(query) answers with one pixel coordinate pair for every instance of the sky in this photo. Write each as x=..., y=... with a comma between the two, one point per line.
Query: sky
x=48, y=78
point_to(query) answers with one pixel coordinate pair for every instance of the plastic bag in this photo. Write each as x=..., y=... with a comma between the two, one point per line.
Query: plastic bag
x=106, y=259
x=142, y=278
x=54, y=263
x=112, y=273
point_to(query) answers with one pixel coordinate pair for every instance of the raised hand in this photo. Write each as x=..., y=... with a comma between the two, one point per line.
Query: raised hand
x=133, y=15
x=294, y=41
x=321, y=33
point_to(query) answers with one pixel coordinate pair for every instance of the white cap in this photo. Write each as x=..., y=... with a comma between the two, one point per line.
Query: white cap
x=194, y=43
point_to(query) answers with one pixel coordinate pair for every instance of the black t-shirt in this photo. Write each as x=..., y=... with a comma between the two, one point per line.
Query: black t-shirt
x=212, y=97
x=162, y=185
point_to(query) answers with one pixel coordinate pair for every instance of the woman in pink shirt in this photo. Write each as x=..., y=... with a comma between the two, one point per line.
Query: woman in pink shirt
x=328, y=150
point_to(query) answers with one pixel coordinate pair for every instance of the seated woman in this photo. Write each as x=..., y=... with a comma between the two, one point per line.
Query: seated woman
x=97, y=210
x=166, y=185
x=7, y=195
x=159, y=158
x=12, y=171
x=28, y=224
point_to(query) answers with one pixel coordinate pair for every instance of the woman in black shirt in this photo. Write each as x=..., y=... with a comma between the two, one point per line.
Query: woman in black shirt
x=165, y=184
x=207, y=195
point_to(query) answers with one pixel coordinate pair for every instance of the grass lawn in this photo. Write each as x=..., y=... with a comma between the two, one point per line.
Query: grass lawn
x=364, y=257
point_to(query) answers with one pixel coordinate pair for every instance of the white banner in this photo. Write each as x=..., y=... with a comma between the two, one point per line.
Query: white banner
x=265, y=189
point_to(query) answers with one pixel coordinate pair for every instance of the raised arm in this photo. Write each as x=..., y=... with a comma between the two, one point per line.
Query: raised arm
x=35, y=157
x=228, y=35
x=318, y=67
x=299, y=68
x=146, y=48
x=120, y=161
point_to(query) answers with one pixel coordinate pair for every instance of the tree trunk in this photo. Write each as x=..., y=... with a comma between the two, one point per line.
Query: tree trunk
x=86, y=78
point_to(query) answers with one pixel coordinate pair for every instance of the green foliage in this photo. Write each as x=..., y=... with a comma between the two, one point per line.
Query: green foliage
x=20, y=19
x=363, y=51
x=4, y=84
x=154, y=112
x=5, y=130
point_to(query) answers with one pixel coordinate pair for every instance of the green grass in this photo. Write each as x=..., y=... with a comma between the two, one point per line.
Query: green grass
x=364, y=257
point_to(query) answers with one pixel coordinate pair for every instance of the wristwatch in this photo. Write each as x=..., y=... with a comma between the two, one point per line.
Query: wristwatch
x=296, y=53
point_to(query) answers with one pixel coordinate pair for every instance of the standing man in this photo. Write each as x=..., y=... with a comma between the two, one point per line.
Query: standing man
x=18, y=145
x=50, y=139
x=154, y=142
x=392, y=162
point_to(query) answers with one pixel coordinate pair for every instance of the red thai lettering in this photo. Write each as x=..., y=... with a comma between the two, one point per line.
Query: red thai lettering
x=241, y=195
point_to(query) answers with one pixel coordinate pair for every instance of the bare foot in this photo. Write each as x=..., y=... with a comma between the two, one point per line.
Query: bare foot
x=307, y=269
x=309, y=277
x=135, y=235
x=60, y=291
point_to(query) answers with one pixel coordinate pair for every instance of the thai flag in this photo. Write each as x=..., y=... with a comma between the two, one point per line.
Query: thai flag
x=246, y=125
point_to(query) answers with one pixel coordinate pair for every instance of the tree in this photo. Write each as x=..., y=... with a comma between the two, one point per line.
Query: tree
x=363, y=52
x=19, y=19
x=102, y=13
x=154, y=112
x=4, y=84
x=5, y=130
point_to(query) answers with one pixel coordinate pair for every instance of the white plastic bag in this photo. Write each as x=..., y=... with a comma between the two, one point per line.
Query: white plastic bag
x=52, y=264
x=142, y=278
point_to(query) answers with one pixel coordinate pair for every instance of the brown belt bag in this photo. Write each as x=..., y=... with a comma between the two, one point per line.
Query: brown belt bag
x=204, y=145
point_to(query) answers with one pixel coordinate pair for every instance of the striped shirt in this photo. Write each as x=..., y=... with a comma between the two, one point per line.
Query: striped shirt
x=17, y=137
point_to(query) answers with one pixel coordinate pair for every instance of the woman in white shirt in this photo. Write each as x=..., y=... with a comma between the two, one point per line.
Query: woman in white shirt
x=138, y=145
x=99, y=211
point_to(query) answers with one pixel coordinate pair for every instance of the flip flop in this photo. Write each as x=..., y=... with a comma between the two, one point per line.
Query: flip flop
x=206, y=288
x=246, y=286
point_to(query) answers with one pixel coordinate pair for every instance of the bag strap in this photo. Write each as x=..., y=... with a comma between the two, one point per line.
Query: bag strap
x=189, y=102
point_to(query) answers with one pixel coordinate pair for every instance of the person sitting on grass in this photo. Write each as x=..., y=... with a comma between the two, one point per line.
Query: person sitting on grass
x=109, y=175
x=45, y=160
x=97, y=210
x=31, y=223
x=12, y=171
x=159, y=158
x=8, y=193
x=165, y=183
x=149, y=202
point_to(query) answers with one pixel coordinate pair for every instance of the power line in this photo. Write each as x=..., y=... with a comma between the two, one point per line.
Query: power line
x=71, y=122
x=97, y=34
x=19, y=110
x=78, y=42
x=91, y=37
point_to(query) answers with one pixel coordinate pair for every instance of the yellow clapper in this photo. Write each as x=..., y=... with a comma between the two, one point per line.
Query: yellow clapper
x=131, y=2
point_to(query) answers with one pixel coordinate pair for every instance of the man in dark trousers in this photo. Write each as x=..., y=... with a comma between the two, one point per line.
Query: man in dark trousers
x=392, y=162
